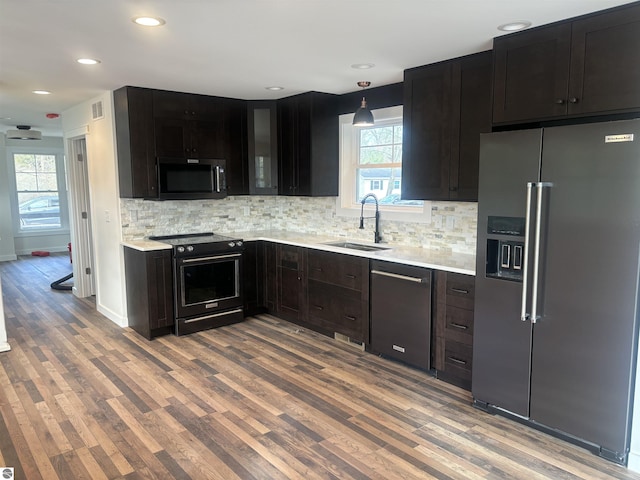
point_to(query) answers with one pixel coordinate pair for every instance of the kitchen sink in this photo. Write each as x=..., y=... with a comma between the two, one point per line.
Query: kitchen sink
x=358, y=246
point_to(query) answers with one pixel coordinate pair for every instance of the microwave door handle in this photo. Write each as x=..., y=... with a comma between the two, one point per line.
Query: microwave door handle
x=217, y=178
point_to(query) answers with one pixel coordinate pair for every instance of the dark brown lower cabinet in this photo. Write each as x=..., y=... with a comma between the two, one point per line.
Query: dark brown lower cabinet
x=290, y=283
x=401, y=313
x=149, y=279
x=453, y=346
x=338, y=294
x=253, y=274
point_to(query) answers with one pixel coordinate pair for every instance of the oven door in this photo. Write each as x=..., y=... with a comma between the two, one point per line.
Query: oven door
x=208, y=284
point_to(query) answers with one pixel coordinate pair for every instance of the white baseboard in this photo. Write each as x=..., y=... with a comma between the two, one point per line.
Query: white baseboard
x=47, y=249
x=113, y=316
x=8, y=258
x=633, y=462
x=5, y=347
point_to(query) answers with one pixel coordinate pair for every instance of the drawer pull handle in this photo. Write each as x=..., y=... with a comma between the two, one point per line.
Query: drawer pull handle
x=317, y=269
x=398, y=348
x=318, y=307
x=348, y=275
x=457, y=360
x=457, y=325
x=460, y=290
x=350, y=317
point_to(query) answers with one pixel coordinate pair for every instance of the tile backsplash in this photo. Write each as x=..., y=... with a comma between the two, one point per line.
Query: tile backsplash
x=452, y=227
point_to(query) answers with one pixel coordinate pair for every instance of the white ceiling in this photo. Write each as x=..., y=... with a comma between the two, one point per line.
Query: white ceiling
x=236, y=48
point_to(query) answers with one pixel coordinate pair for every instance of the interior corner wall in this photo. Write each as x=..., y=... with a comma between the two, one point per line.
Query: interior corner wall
x=104, y=199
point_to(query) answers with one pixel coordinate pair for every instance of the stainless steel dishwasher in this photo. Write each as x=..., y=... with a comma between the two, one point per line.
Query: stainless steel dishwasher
x=401, y=312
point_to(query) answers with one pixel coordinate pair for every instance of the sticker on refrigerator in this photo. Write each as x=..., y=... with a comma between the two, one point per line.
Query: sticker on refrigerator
x=627, y=137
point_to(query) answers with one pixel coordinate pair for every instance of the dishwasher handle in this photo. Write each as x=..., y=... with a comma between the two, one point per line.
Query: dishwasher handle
x=398, y=276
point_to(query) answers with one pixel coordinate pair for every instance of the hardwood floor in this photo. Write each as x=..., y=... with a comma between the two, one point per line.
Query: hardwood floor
x=263, y=399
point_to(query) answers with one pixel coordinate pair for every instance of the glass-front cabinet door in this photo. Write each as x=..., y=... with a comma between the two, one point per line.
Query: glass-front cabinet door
x=263, y=148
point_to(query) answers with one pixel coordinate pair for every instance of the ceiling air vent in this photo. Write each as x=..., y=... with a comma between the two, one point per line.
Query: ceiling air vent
x=96, y=111
x=24, y=132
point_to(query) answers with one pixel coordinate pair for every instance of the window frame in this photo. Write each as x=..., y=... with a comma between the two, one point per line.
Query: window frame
x=61, y=179
x=346, y=205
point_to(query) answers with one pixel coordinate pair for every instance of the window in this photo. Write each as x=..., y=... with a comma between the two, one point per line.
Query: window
x=39, y=191
x=375, y=185
x=371, y=162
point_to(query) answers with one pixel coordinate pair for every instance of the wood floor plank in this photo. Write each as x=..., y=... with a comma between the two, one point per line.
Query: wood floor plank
x=262, y=399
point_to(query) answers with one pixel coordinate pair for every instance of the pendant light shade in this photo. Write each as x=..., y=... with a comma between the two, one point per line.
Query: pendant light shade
x=363, y=116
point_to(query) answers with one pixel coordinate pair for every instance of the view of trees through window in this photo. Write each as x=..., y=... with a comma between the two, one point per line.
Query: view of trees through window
x=37, y=190
x=379, y=166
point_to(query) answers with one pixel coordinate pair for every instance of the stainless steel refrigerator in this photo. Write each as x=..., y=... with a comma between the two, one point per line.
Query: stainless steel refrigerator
x=555, y=328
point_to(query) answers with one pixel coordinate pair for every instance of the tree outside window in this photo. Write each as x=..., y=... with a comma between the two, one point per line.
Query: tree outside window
x=37, y=191
x=379, y=163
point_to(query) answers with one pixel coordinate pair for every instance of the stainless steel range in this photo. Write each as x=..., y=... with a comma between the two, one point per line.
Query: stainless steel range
x=207, y=285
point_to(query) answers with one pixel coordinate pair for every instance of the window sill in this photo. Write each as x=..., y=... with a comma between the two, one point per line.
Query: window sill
x=415, y=215
x=42, y=232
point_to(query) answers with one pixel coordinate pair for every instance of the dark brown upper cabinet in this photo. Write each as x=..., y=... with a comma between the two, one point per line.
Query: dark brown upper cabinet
x=446, y=107
x=262, y=134
x=582, y=67
x=200, y=126
x=133, y=111
x=308, y=145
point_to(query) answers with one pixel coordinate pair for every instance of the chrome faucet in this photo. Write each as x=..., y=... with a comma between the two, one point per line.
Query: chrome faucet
x=376, y=235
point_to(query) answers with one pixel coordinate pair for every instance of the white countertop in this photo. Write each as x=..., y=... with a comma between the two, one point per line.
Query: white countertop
x=146, y=245
x=419, y=257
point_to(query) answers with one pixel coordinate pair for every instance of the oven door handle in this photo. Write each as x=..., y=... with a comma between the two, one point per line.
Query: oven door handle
x=206, y=259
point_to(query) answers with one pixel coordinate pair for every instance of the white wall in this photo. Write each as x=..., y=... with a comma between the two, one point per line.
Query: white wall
x=7, y=245
x=105, y=206
x=4, y=344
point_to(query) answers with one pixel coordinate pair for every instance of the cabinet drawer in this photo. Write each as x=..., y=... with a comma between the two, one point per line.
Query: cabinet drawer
x=460, y=290
x=459, y=325
x=458, y=359
x=343, y=270
x=337, y=309
x=290, y=257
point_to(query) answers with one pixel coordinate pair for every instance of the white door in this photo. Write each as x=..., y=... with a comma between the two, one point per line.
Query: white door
x=80, y=210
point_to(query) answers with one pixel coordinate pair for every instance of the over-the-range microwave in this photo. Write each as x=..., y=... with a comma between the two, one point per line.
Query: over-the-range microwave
x=191, y=178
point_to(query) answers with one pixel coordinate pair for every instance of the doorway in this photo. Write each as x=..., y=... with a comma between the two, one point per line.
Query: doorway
x=80, y=214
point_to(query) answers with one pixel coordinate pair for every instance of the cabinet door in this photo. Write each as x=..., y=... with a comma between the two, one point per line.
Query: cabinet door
x=291, y=283
x=171, y=118
x=271, y=276
x=133, y=111
x=427, y=130
x=531, y=74
x=173, y=138
x=262, y=123
x=605, y=63
x=209, y=128
x=288, y=144
x=253, y=276
x=472, y=107
x=149, y=285
x=336, y=309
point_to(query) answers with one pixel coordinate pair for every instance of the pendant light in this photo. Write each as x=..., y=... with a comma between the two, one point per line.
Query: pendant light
x=363, y=116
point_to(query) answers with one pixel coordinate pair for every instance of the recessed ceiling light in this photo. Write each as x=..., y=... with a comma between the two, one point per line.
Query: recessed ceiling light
x=362, y=66
x=41, y=92
x=274, y=88
x=149, y=21
x=514, y=26
x=88, y=61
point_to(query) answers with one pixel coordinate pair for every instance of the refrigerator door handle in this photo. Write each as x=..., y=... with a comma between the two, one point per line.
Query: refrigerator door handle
x=524, y=316
x=536, y=253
